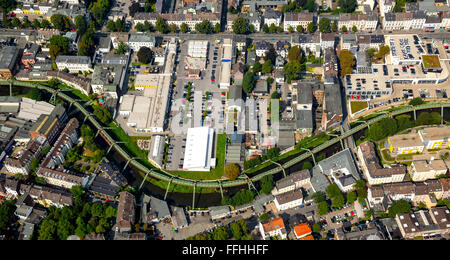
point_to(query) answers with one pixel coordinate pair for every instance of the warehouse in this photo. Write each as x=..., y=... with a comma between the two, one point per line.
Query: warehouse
x=198, y=153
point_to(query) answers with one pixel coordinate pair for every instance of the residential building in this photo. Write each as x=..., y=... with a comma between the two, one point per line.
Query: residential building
x=103, y=188
x=288, y=200
x=404, y=21
x=295, y=19
x=272, y=16
x=136, y=41
x=108, y=79
x=405, y=144
x=373, y=171
x=47, y=196
x=304, y=106
x=74, y=64
x=294, y=181
x=445, y=183
x=400, y=191
x=303, y=232
x=262, y=47
x=153, y=210
x=125, y=212
x=363, y=22
x=422, y=170
x=29, y=54
x=49, y=126
x=424, y=223
x=8, y=61
x=272, y=227
x=190, y=19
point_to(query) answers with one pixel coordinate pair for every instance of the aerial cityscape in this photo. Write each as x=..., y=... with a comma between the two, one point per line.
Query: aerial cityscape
x=224, y=120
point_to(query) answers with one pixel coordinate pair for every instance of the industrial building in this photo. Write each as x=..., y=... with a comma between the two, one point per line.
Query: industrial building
x=199, y=149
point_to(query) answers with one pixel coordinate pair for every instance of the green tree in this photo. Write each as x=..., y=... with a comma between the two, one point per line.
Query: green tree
x=145, y=55
x=35, y=94
x=265, y=28
x=316, y=228
x=334, y=26
x=204, y=27
x=240, y=26
x=60, y=22
x=354, y=28
x=399, y=206
x=292, y=71
x=324, y=25
x=111, y=26
x=351, y=197
x=184, y=28
x=311, y=27
x=318, y=197
x=267, y=184
x=232, y=171
x=217, y=28
x=45, y=23
x=290, y=29
x=139, y=27
x=122, y=48
x=173, y=27
x=80, y=24
x=161, y=25
x=344, y=28
x=267, y=67
x=248, y=82
x=36, y=24
x=323, y=208
x=348, y=6
x=347, y=62
x=221, y=233
x=16, y=22
x=6, y=6
x=236, y=230
x=134, y=8
x=416, y=101
x=307, y=166
x=300, y=29
x=257, y=67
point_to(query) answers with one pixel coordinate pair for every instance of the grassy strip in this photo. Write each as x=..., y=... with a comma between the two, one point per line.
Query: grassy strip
x=130, y=143
x=358, y=106
x=176, y=188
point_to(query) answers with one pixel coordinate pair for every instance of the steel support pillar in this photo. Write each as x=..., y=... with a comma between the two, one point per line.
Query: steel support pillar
x=167, y=189
x=126, y=165
x=314, y=159
x=85, y=118
x=10, y=88
x=193, y=196
x=221, y=190
x=98, y=132
x=109, y=149
x=342, y=145
x=142, y=183
x=442, y=114
x=415, y=116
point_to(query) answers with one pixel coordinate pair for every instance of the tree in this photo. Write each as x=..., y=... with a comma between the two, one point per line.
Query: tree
x=221, y=233
x=77, y=191
x=36, y=24
x=59, y=45
x=290, y=29
x=139, y=27
x=111, y=26
x=240, y=26
x=294, y=54
x=217, y=28
x=354, y=28
x=184, y=28
x=35, y=94
x=316, y=228
x=80, y=24
x=270, y=81
x=416, y=101
x=324, y=25
x=311, y=27
x=16, y=22
x=344, y=28
x=120, y=25
x=257, y=67
x=351, y=197
x=267, y=184
x=292, y=70
x=318, y=197
x=265, y=28
x=399, y=206
x=232, y=171
x=307, y=166
x=404, y=122
x=148, y=27
x=323, y=208
x=161, y=25
x=45, y=23
x=347, y=62
x=60, y=22
x=300, y=29
x=236, y=230
x=122, y=48
x=134, y=8
x=6, y=6
x=310, y=5
x=145, y=55
x=204, y=27
x=334, y=26
x=248, y=82
x=267, y=67
x=173, y=27
x=348, y=6
x=272, y=28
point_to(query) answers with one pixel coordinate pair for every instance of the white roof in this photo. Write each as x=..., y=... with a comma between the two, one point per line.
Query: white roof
x=199, y=142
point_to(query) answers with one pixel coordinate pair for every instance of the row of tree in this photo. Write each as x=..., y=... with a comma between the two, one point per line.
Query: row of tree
x=390, y=126
x=270, y=154
x=238, y=231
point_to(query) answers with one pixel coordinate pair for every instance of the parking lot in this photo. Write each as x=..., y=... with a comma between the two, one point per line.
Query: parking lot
x=336, y=219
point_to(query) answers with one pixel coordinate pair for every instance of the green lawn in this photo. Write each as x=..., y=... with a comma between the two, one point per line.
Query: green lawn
x=215, y=173
x=358, y=106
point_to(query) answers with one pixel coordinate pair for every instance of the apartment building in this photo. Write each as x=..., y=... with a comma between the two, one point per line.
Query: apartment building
x=288, y=200
x=47, y=196
x=136, y=41
x=49, y=126
x=253, y=19
x=21, y=164
x=303, y=232
x=293, y=182
x=8, y=61
x=422, y=170
x=373, y=171
x=404, y=21
x=190, y=19
x=272, y=17
x=295, y=19
x=272, y=227
x=363, y=22
x=74, y=64
x=424, y=223
x=125, y=212
x=108, y=79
